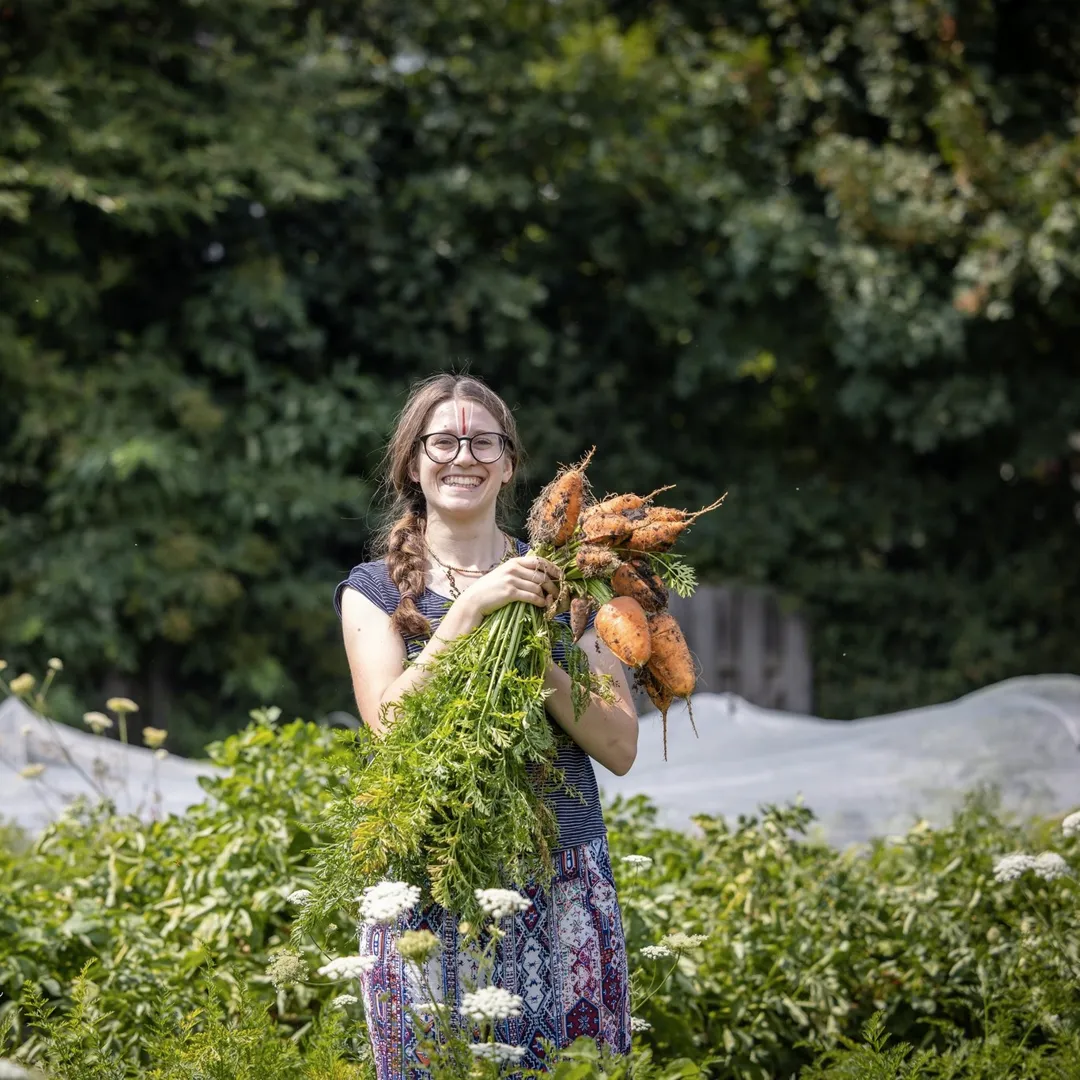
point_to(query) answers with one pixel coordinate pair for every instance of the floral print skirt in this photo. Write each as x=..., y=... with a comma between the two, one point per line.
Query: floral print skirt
x=565, y=957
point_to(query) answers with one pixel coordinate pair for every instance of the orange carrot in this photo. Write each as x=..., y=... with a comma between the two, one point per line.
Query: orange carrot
x=636, y=578
x=670, y=661
x=594, y=561
x=580, y=609
x=660, y=534
x=660, y=696
x=554, y=516
x=622, y=626
x=620, y=504
x=607, y=529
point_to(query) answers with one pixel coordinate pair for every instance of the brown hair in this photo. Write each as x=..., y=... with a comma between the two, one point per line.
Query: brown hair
x=402, y=537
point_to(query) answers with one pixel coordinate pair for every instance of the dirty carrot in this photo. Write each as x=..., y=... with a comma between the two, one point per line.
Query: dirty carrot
x=637, y=579
x=554, y=516
x=623, y=627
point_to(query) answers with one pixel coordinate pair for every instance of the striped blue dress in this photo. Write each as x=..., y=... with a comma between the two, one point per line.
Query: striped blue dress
x=565, y=956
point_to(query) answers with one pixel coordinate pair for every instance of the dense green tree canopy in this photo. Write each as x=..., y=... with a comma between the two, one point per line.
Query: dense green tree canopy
x=820, y=253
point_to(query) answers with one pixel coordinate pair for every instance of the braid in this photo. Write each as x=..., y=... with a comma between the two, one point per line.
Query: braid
x=405, y=563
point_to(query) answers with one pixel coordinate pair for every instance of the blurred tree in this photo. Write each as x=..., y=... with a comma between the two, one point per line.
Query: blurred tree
x=820, y=253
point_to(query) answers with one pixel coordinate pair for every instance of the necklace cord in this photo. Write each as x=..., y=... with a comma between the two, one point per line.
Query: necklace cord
x=450, y=570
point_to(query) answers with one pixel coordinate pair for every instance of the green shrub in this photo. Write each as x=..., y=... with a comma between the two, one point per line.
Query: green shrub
x=153, y=902
x=805, y=945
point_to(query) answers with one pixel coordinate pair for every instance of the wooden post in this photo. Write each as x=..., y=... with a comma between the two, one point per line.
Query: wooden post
x=746, y=643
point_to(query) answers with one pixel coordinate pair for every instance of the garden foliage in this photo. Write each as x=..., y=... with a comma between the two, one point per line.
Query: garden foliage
x=151, y=942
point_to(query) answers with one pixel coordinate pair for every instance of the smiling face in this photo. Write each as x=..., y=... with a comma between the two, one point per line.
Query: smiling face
x=463, y=487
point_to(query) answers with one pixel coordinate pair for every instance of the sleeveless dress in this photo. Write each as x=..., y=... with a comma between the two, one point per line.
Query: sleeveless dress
x=565, y=956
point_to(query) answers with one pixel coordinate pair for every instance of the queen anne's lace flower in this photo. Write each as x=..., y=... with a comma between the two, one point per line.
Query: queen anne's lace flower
x=490, y=1003
x=387, y=900
x=679, y=941
x=637, y=1024
x=347, y=967
x=418, y=945
x=286, y=968
x=1071, y=825
x=500, y=1053
x=499, y=903
x=1049, y=865
x=97, y=722
x=22, y=684
x=637, y=860
x=299, y=896
x=655, y=952
x=343, y=1000
x=153, y=737
x=1010, y=867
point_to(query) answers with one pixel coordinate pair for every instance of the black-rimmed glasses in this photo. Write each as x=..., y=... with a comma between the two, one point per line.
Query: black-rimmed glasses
x=485, y=446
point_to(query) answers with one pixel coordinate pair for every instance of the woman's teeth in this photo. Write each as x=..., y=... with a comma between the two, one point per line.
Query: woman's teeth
x=462, y=481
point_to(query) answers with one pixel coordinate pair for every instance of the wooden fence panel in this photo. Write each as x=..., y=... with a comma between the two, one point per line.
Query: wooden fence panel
x=745, y=643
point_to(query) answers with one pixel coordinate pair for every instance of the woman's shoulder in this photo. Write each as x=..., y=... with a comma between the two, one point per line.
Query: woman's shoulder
x=371, y=579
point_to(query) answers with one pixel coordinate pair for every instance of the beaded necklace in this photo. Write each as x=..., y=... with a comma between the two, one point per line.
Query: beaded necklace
x=450, y=571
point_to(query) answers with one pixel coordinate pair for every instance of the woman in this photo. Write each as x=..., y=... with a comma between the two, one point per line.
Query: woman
x=447, y=565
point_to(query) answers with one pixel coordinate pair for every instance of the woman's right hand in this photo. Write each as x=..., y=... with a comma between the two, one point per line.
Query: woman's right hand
x=528, y=577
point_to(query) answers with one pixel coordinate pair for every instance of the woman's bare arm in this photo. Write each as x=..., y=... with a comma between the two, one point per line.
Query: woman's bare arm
x=606, y=731
x=376, y=655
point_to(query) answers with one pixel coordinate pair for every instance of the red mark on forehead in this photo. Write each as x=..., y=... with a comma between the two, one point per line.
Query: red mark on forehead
x=462, y=419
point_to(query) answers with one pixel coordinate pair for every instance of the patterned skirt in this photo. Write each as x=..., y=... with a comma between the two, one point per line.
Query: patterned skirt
x=565, y=957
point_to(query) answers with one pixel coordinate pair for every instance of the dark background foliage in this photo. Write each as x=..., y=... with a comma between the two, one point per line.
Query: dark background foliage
x=821, y=254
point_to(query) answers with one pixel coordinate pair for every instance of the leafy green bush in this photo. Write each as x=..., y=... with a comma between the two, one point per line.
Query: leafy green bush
x=913, y=941
x=806, y=944
x=153, y=902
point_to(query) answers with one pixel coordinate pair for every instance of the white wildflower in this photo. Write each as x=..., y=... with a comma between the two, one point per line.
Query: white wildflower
x=298, y=896
x=499, y=903
x=490, y=1003
x=121, y=705
x=153, y=737
x=1010, y=867
x=1050, y=865
x=679, y=941
x=347, y=967
x=637, y=1024
x=1071, y=825
x=343, y=1000
x=97, y=722
x=500, y=1053
x=387, y=900
x=637, y=860
x=160, y=754
x=22, y=684
x=418, y=946
x=285, y=969
x=655, y=952
x=55, y=663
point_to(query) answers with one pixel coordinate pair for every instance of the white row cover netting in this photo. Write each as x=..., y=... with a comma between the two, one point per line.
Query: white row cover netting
x=79, y=763
x=870, y=777
x=862, y=778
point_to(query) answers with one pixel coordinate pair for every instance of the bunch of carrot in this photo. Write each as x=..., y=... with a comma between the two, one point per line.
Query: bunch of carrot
x=614, y=554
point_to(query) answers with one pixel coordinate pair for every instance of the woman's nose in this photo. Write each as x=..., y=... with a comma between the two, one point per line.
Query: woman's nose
x=464, y=448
